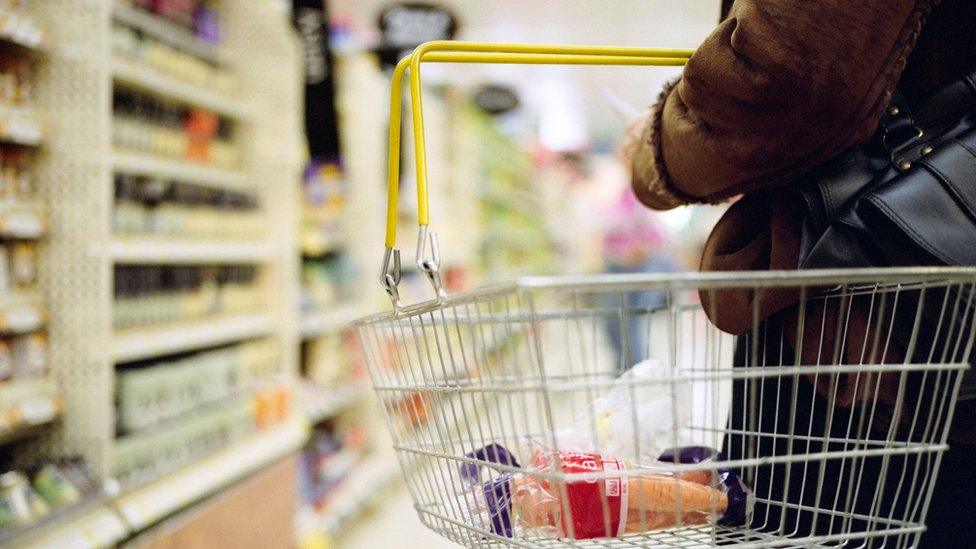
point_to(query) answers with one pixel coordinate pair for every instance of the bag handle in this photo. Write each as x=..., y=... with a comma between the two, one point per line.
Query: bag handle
x=473, y=52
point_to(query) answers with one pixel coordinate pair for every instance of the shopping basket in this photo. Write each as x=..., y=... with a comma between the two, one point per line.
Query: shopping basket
x=829, y=417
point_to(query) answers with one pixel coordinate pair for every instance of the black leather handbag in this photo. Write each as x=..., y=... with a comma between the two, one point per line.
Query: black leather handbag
x=907, y=197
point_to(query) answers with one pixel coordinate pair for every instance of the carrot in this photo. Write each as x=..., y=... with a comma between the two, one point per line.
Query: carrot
x=642, y=521
x=666, y=493
x=698, y=476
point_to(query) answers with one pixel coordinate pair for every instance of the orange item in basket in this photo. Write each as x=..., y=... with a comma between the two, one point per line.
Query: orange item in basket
x=595, y=507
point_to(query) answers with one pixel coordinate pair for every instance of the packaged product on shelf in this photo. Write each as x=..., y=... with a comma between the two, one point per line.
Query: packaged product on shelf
x=137, y=48
x=327, y=280
x=155, y=392
x=81, y=474
x=145, y=457
x=23, y=504
x=23, y=264
x=324, y=201
x=259, y=360
x=29, y=496
x=55, y=486
x=271, y=405
x=17, y=22
x=157, y=206
x=29, y=355
x=15, y=180
x=163, y=128
x=154, y=294
x=194, y=15
x=582, y=495
x=15, y=80
x=6, y=362
x=324, y=360
x=201, y=128
x=181, y=12
x=128, y=215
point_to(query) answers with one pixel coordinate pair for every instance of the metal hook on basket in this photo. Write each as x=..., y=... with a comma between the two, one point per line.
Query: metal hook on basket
x=390, y=277
x=430, y=267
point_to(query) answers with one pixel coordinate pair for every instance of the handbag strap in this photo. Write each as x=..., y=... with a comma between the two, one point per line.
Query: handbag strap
x=902, y=138
x=906, y=128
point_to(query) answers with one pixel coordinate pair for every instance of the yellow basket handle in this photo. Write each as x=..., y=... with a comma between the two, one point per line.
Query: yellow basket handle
x=474, y=52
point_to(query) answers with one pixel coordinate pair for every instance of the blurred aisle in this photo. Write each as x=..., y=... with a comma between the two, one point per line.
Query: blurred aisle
x=392, y=524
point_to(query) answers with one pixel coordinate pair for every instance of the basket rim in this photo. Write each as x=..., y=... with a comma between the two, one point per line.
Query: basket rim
x=686, y=280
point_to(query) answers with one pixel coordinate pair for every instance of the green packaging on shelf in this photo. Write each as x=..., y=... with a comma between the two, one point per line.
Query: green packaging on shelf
x=55, y=487
x=25, y=505
x=162, y=390
x=144, y=457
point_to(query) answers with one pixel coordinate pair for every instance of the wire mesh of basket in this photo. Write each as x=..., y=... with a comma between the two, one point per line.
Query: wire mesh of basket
x=822, y=424
x=839, y=443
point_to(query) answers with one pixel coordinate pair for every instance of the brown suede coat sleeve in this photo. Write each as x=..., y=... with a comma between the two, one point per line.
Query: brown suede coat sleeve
x=778, y=88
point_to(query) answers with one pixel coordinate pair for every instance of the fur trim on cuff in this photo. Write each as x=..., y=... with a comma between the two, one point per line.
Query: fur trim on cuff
x=650, y=180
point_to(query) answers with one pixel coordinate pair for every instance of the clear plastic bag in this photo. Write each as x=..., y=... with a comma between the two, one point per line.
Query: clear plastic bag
x=635, y=420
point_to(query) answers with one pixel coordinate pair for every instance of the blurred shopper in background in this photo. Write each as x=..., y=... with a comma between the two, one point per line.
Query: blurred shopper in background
x=779, y=88
x=634, y=241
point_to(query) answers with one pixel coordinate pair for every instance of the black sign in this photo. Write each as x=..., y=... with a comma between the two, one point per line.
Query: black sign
x=496, y=99
x=409, y=24
x=321, y=124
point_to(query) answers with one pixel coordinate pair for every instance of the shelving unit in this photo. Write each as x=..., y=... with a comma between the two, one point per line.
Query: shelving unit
x=172, y=251
x=166, y=32
x=75, y=175
x=92, y=524
x=147, y=165
x=141, y=343
x=30, y=405
x=145, y=79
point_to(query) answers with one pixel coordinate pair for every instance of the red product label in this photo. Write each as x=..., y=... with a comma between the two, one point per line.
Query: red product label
x=595, y=505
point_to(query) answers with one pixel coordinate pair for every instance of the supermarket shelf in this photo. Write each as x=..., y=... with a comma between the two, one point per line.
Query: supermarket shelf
x=154, y=166
x=321, y=403
x=152, y=81
x=181, y=251
x=164, y=31
x=367, y=484
x=31, y=404
x=141, y=343
x=89, y=524
x=154, y=502
x=328, y=321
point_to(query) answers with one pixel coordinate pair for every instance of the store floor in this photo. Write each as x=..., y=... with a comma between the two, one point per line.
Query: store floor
x=392, y=523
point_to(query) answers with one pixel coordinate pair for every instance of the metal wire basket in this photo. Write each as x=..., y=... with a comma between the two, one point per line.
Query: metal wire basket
x=833, y=412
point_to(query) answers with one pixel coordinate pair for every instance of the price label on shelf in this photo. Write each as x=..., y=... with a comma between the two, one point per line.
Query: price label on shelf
x=101, y=528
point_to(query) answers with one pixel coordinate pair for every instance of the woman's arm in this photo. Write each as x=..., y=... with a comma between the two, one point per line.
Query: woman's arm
x=778, y=88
